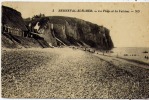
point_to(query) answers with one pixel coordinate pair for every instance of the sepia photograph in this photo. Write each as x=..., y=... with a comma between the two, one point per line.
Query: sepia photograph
x=74, y=50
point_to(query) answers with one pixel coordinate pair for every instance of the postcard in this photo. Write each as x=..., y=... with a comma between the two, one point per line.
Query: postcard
x=75, y=50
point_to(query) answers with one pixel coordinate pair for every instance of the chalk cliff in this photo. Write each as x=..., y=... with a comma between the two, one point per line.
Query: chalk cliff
x=52, y=31
x=73, y=31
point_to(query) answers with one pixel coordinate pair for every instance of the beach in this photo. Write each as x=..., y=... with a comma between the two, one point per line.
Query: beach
x=71, y=73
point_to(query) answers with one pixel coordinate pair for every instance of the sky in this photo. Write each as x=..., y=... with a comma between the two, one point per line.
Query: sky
x=126, y=29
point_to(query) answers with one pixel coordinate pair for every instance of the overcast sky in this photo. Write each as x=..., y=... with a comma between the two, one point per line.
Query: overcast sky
x=126, y=29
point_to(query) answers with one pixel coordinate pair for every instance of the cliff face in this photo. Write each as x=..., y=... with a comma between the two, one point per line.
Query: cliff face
x=54, y=31
x=72, y=31
x=13, y=20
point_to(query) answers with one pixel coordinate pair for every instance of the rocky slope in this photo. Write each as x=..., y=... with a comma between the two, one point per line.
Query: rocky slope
x=12, y=41
x=73, y=31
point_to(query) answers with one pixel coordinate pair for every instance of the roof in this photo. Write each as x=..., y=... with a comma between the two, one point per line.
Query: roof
x=12, y=18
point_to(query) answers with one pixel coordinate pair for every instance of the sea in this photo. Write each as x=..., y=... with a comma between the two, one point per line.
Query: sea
x=136, y=53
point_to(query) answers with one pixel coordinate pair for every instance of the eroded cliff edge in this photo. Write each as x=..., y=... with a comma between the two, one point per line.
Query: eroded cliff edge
x=73, y=31
x=51, y=31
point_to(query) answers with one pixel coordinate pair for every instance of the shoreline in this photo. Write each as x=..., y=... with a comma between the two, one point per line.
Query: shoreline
x=133, y=60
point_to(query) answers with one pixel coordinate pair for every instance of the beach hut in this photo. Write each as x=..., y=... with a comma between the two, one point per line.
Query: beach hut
x=12, y=22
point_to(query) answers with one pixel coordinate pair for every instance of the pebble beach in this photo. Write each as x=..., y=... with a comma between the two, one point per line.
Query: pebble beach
x=68, y=73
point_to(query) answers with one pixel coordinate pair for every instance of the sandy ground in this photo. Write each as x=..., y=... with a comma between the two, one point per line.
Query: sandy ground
x=68, y=73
